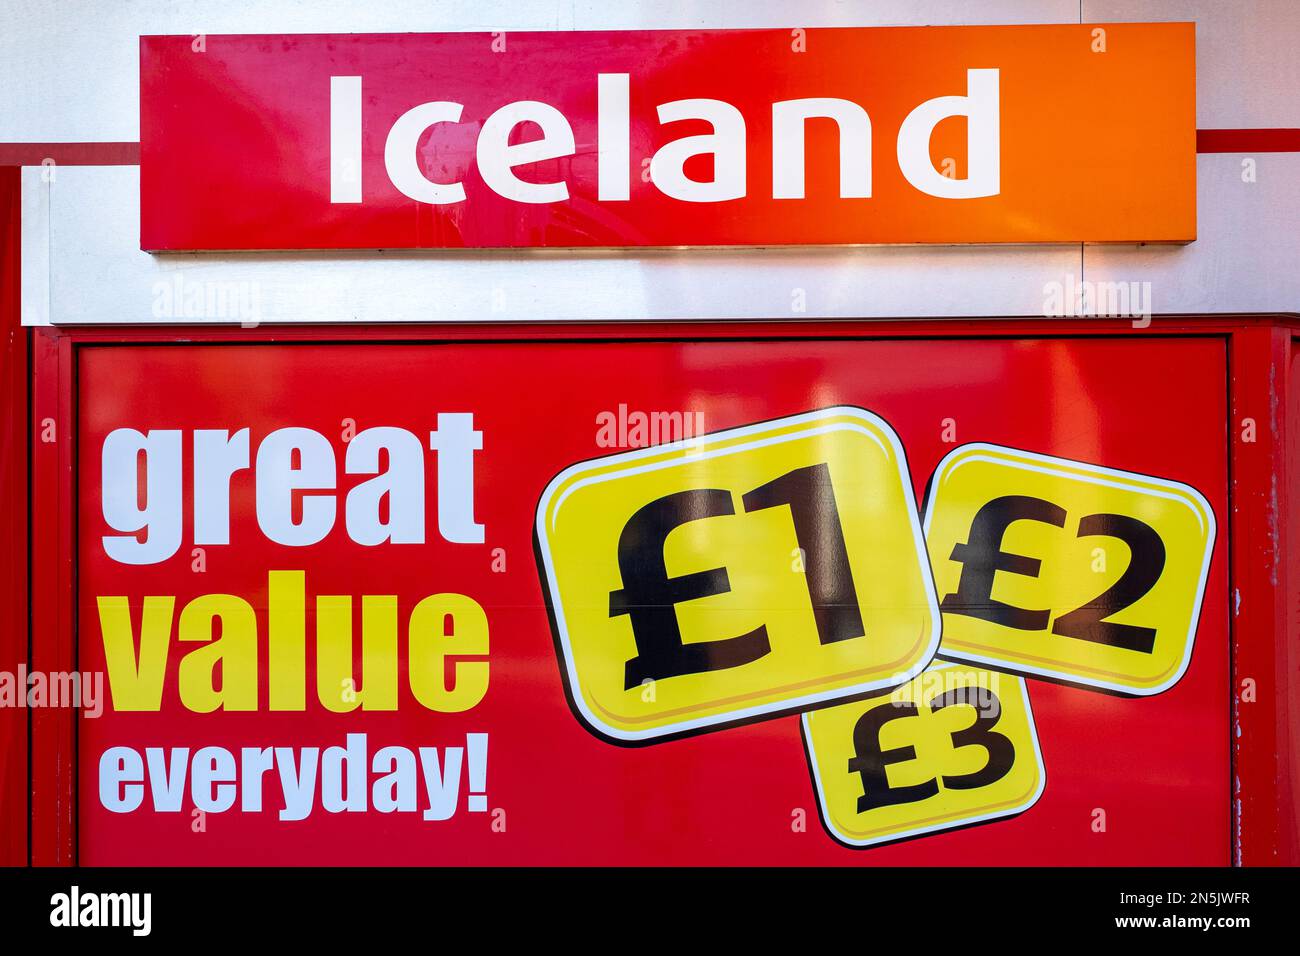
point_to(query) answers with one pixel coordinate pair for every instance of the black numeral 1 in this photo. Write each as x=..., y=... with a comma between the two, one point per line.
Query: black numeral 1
x=811, y=498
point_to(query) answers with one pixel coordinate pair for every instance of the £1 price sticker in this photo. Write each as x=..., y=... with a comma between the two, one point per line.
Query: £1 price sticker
x=952, y=748
x=738, y=575
x=1066, y=570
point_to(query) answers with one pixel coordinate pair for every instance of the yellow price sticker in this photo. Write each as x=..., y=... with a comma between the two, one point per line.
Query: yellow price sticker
x=953, y=748
x=1066, y=570
x=738, y=575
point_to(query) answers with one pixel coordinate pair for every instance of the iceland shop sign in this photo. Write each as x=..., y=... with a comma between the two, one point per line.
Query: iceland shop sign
x=1000, y=134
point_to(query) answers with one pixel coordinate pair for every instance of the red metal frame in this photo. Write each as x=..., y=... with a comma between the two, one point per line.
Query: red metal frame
x=53, y=599
x=1265, y=656
x=13, y=525
x=38, y=496
x=1259, y=351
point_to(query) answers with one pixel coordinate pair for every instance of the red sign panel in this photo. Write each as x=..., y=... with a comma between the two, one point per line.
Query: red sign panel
x=416, y=603
x=665, y=138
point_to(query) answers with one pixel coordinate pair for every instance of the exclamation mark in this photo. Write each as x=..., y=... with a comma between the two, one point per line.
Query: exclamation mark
x=476, y=746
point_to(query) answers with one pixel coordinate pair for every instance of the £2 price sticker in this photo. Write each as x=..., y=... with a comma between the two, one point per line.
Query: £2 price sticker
x=738, y=575
x=952, y=748
x=1067, y=570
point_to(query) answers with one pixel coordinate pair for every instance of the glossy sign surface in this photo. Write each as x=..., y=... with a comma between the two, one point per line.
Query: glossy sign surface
x=1113, y=602
x=738, y=574
x=962, y=745
x=313, y=663
x=669, y=138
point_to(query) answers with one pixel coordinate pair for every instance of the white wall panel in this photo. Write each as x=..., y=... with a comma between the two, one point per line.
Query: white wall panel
x=1246, y=257
x=69, y=69
x=68, y=72
x=1247, y=61
x=82, y=257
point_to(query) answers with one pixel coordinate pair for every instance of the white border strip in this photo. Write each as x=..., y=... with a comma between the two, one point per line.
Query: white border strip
x=99, y=276
x=35, y=238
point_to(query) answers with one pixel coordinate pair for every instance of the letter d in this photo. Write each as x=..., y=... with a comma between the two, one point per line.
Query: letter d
x=983, y=140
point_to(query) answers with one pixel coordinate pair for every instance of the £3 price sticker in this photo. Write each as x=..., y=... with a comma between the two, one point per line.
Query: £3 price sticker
x=954, y=747
x=1067, y=570
x=741, y=574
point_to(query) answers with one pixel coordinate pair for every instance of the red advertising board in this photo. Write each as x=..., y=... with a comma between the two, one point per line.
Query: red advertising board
x=892, y=601
x=669, y=138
